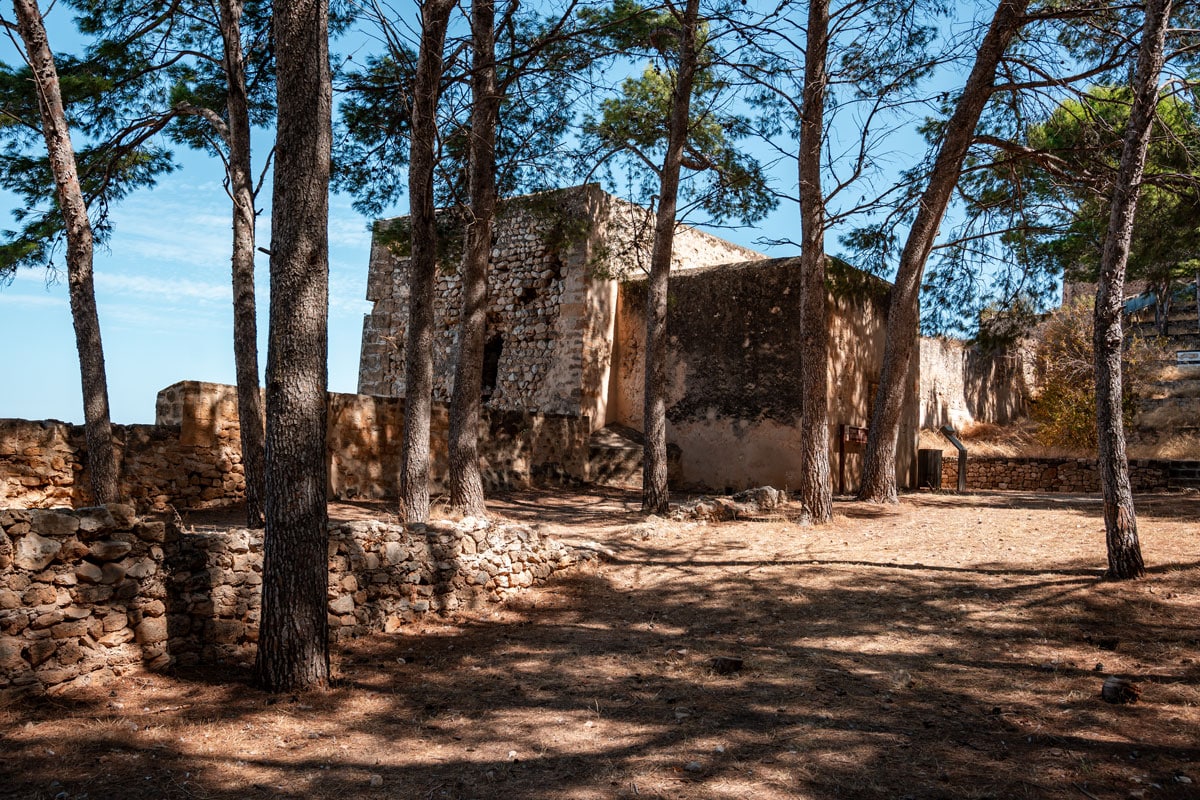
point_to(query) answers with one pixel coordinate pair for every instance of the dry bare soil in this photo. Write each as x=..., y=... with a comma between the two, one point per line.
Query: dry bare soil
x=950, y=647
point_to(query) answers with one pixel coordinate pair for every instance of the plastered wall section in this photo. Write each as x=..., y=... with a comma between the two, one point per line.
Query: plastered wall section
x=733, y=403
x=961, y=384
x=552, y=299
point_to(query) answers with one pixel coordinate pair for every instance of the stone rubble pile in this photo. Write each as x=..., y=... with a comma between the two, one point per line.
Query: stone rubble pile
x=749, y=504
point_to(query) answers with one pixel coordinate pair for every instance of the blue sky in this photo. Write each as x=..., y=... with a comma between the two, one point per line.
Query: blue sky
x=163, y=289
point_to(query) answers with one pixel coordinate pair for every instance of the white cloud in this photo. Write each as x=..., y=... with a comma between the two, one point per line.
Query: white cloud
x=31, y=300
x=164, y=289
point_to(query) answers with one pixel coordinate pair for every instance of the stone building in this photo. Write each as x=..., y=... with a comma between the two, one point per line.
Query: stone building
x=566, y=329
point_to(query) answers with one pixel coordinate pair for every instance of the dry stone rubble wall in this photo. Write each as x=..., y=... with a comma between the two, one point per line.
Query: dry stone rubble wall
x=91, y=595
x=191, y=457
x=1075, y=475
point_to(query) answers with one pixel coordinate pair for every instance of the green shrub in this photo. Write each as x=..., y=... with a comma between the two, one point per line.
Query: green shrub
x=1066, y=370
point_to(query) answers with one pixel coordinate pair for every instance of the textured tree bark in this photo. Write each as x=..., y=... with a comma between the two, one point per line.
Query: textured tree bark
x=418, y=340
x=245, y=325
x=293, y=648
x=816, y=488
x=655, y=492
x=879, y=468
x=1120, y=518
x=102, y=456
x=466, y=485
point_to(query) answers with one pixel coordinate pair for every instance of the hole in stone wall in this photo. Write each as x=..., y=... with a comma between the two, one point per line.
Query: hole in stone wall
x=491, y=364
x=527, y=295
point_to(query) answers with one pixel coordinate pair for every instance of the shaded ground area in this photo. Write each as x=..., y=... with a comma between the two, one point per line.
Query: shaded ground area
x=945, y=648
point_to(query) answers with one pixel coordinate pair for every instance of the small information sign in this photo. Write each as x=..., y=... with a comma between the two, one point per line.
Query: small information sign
x=854, y=435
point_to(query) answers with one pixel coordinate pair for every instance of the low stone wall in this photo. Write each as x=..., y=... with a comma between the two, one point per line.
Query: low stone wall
x=88, y=596
x=1078, y=475
x=44, y=464
x=191, y=457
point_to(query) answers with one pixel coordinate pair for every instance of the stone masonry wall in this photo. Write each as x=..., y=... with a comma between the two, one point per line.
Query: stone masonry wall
x=91, y=595
x=44, y=464
x=733, y=364
x=192, y=457
x=552, y=298
x=1075, y=475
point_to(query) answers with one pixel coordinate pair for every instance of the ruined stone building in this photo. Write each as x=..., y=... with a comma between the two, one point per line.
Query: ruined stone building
x=566, y=332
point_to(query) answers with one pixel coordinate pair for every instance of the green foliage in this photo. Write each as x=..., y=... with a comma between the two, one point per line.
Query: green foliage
x=629, y=130
x=539, y=63
x=178, y=49
x=1088, y=134
x=115, y=152
x=373, y=141
x=1065, y=363
x=1037, y=208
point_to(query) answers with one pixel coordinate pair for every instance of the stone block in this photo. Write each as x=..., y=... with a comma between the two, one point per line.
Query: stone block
x=91, y=594
x=88, y=572
x=139, y=567
x=151, y=630
x=6, y=551
x=10, y=655
x=72, y=550
x=393, y=553
x=113, y=573
x=56, y=675
x=116, y=638
x=34, y=552
x=114, y=621
x=9, y=599
x=151, y=531
x=47, y=620
x=78, y=612
x=54, y=523
x=95, y=519
x=123, y=515
x=67, y=630
x=343, y=604
x=41, y=650
x=154, y=608
x=109, y=550
x=227, y=631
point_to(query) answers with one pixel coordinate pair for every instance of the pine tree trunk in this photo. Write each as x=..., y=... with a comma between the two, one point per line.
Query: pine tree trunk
x=879, y=467
x=293, y=648
x=466, y=485
x=816, y=488
x=418, y=340
x=1120, y=518
x=102, y=456
x=655, y=492
x=245, y=325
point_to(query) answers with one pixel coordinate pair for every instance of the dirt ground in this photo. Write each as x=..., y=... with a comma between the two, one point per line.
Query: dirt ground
x=950, y=647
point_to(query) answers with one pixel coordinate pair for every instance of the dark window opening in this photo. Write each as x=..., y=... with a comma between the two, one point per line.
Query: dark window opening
x=528, y=295
x=491, y=365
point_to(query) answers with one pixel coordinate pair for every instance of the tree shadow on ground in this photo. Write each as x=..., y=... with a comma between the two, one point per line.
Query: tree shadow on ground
x=859, y=679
